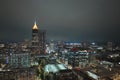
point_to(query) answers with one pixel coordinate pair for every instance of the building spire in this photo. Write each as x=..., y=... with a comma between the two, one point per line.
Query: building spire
x=35, y=25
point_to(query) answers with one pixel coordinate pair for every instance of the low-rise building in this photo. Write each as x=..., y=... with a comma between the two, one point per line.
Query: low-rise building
x=19, y=60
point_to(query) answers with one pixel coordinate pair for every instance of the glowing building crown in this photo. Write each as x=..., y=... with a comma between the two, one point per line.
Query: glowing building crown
x=35, y=25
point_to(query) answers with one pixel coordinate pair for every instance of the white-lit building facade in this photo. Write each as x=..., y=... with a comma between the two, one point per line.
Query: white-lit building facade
x=19, y=60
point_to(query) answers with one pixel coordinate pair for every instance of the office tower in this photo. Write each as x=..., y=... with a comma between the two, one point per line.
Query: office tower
x=42, y=41
x=38, y=40
x=109, y=46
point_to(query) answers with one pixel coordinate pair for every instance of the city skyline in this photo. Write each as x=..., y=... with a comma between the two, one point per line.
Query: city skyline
x=74, y=20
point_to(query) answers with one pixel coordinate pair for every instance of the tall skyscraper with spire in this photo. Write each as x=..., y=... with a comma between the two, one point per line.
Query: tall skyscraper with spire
x=38, y=40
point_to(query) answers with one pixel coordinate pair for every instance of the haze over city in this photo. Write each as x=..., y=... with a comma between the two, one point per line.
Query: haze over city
x=59, y=40
x=62, y=19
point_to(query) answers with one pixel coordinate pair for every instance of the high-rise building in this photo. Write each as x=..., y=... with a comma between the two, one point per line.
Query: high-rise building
x=35, y=36
x=42, y=41
x=109, y=46
x=38, y=40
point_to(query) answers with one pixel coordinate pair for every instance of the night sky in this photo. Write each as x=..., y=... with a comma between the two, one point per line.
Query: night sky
x=73, y=20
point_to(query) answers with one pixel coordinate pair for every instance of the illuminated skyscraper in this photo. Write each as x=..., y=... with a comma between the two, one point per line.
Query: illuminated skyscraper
x=38, y=40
